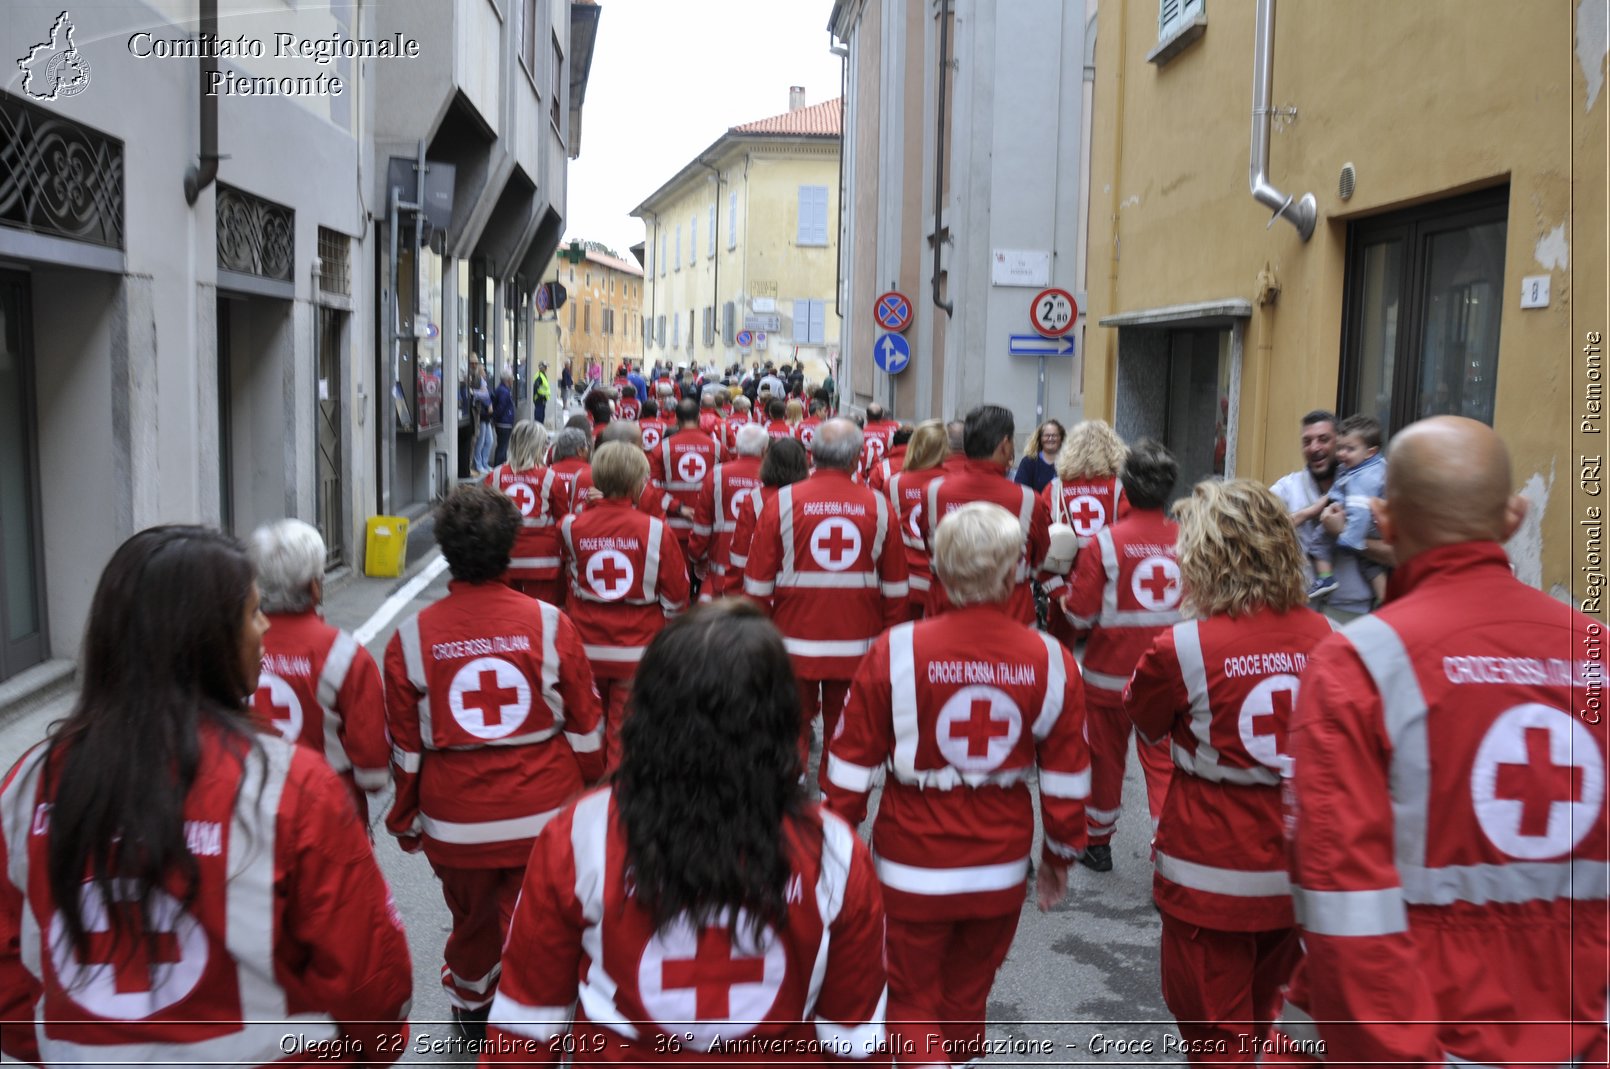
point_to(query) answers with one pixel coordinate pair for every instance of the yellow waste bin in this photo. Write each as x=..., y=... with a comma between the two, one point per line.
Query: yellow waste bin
x=386, y=548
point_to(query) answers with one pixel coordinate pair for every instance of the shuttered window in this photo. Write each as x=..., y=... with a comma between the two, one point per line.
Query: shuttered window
x=1173, y=14
x=712, y=230
x=732, y=220
x=676, y=260
x=693, y=241
x=812, y=215
x=810, y=322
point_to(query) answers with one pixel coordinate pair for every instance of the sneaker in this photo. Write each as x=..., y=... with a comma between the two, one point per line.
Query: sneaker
x=1323, y=586
x=1097, y=858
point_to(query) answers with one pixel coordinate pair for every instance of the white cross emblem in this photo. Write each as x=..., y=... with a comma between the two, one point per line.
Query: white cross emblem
x=1156, y=583
x=523, y=496
x=691, y=466
x=133, y=978
x=707, y=984
x=1264, y=719
x=1086, y=515
x=978, y=727
x=490, y=698
x=1537, y=782
x=651, y=435
x=610, y=574
x=836, y=544
x=277, y=700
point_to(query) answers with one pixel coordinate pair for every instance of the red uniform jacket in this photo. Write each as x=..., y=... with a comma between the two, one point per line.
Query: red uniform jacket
x=883, y=470
x=983, y=480
x=710, y=422
x=1449, y=845
x=743, y=538
x=1125, y=590
x=628, y=409
x=319, y=687
x=716, y=517
x=961, y=709
x=494, y=722
x=682, y=464
x=908, y=493
x=654, y=431
x=876, y=440
x=806, y=431
x=1086, y=505
x=779, y=428
x=627, y=577
x=831, y=569
x=581, y=945
x=567, y=473
x=291, y=922
x=542, y=498
x=1223, y=688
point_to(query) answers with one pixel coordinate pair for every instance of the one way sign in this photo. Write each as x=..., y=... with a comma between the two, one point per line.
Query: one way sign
x=1038, y=345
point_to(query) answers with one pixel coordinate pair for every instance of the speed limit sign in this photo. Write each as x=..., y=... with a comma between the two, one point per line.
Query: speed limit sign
x=1053, y=312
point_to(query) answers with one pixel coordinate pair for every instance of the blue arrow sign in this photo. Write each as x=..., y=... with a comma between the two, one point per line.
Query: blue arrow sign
x=891, y=353
x=1036, y=345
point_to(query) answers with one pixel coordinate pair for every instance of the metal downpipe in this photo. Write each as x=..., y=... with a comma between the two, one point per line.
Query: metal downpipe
x=1301, y=213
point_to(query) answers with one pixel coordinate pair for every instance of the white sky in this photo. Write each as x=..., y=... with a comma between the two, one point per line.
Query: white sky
x=668, y=78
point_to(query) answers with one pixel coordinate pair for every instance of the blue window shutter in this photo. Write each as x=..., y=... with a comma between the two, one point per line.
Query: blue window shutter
x=732, y=220
x=819, y=322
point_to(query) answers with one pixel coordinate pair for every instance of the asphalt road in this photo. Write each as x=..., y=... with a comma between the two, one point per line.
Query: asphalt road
x=1080, y=985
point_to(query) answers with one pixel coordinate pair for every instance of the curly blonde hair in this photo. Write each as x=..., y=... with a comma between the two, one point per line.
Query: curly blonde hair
x=1238, y=551
x=1092, y=448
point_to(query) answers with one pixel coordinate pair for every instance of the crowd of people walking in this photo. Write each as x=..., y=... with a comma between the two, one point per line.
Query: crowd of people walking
x=693, y=633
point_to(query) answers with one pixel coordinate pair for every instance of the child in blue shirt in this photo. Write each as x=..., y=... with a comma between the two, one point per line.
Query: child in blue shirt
x=1361, y=476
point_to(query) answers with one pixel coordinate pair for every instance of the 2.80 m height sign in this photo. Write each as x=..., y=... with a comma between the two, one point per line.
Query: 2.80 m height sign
x=1053, y=312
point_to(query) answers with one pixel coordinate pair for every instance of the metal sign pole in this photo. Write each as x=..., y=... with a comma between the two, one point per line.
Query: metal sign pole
x=1039, y=397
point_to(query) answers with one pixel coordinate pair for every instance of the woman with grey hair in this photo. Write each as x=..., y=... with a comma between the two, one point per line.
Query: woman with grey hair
x=963, y=710
x=543, y=499
x=318, y=686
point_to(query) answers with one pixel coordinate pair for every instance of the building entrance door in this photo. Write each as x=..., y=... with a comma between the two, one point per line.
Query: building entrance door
x=331, y=488
x=22, y=597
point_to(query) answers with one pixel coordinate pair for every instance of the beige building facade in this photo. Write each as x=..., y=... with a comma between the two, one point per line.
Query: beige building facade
x=603, y=314
x=741, y=247
x=1452, y=261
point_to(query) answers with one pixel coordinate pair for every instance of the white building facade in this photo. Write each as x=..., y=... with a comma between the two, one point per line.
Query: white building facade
x=195, y=266
x=965, y=194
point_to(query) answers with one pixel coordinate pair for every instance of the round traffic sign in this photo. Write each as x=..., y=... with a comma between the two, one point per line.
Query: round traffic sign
x=745, y=339
x=893, y=311
x=891, y=353
x=1053, y=312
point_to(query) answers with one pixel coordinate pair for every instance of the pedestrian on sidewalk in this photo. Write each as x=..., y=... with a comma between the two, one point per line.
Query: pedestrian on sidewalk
x=503, y=415
x=567, y=385
x=539, y=392
x=174, y=883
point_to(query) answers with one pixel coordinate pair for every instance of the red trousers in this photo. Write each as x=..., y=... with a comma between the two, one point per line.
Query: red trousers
x=1108, y=730
x=826, y=696
x=1223, y=988
x=940, y=975
x=481, y=902
x=612, y=694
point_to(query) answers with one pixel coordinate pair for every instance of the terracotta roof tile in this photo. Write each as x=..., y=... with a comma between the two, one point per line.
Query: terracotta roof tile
x=819, y=120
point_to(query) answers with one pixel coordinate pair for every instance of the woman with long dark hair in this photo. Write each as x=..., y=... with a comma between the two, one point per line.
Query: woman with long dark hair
x=193, y=884
x=698, y=910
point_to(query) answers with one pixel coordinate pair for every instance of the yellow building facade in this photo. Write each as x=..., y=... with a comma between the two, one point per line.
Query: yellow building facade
x=1455, y=153
x=602, y=318
x=741, y=247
